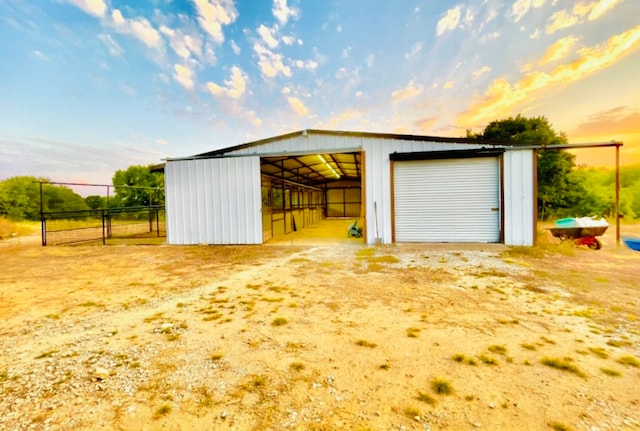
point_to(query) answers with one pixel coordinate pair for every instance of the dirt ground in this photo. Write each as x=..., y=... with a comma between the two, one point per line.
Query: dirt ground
x=307, y=334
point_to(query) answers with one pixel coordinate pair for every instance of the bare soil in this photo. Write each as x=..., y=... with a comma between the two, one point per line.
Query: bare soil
x=317, y=335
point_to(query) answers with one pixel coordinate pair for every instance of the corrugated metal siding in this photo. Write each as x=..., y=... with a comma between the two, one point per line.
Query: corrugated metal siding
x=453, y=200
x=519, y=209
x=214, y=201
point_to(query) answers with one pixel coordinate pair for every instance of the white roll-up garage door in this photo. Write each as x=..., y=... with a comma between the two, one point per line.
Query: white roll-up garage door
x=450, y=200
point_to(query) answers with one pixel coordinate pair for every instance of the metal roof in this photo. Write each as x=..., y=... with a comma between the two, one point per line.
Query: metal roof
x=313, y=169
x=222, y=151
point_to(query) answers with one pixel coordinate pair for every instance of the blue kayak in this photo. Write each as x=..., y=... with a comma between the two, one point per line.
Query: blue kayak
x=632, y=243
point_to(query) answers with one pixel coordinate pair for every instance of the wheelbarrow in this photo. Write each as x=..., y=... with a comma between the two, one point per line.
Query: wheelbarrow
x=581, y=235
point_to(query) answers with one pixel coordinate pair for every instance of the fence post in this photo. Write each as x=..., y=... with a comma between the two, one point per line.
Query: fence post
x=104, y=240
x=157, y=222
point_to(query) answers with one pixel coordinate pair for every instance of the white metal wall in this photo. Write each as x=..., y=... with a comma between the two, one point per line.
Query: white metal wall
x=448, y=200
x=214, y=201
x=519, y=192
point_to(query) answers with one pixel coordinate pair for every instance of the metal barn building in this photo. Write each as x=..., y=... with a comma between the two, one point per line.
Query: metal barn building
x=401, y=188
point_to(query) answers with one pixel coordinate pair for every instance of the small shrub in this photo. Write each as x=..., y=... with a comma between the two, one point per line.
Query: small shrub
x=611, y=372
x=215, y=356
x=547, y=340
x=498, y=349
x=413, y=332
x=412, y=413
x=365, y=343
x=528, y=346
x=631, y=361
x=489, y=360
x=385, y=366
x=163, y=410
x=618, y=343
x=599, y=352
x=297, y=366
x=441, y=387
x=562, y=364
x=459, y=357
x=557, y=426
x=426, y=398
x=279, y=321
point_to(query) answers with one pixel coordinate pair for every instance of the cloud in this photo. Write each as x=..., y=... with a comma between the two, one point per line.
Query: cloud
x=425, y=124
x=114, y=48
x=298, y=106
x=614, y=121
x=502, y=96
x=268, y=35
x=478, y=73
x=449, y=20
x=138, y=27
x=592, y=11
x=561, y=20
x=415, y=49
x=212, y=16
x=270, y=63
x=371, y=59
x=602, y=7
x=337, y=121
x=489, y=36
x=234, y=87
x=410, y=91
x=184, y=76
x=307, y=65
x=39, y=55
x=96, y=8
x=184, y=45
x=236, y=49
x=288, y=40
x=448, y=85
x=161, y=141
x=521, y=7
x=282, y=12
x=558, y=50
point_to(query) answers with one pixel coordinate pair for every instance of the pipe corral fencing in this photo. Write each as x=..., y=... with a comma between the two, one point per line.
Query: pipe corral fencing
x=103, y=225
x=141, y=224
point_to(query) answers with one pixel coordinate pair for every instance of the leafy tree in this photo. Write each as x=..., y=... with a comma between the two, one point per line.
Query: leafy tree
x=20, y=198
x=559, y=194
x=137, y=186
x=96, y=202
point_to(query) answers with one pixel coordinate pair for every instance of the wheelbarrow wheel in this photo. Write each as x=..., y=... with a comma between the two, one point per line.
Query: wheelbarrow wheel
x=595, y=244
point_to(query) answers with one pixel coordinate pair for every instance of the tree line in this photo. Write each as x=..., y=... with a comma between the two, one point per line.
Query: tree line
x=564, y=189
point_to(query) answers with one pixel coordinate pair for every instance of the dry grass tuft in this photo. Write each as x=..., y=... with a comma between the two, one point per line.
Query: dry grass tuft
x=365, y=343
x=563, y=364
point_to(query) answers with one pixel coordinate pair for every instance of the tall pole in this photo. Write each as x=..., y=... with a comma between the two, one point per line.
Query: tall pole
x=618, y=195
x=43, y=225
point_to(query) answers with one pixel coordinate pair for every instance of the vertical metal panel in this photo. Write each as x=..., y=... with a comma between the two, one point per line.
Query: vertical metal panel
x=450, y=200
x=214, y=201
x=519, y=202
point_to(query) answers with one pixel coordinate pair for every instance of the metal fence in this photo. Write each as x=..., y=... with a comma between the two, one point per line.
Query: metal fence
x=104, y=226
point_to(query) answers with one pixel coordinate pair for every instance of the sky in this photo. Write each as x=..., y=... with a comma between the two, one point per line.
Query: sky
x=88, y=87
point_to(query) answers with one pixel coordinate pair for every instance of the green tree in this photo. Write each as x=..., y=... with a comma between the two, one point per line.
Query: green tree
x=20, y=198
x=96, y=202
x=559, y=194
x=137, y=186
